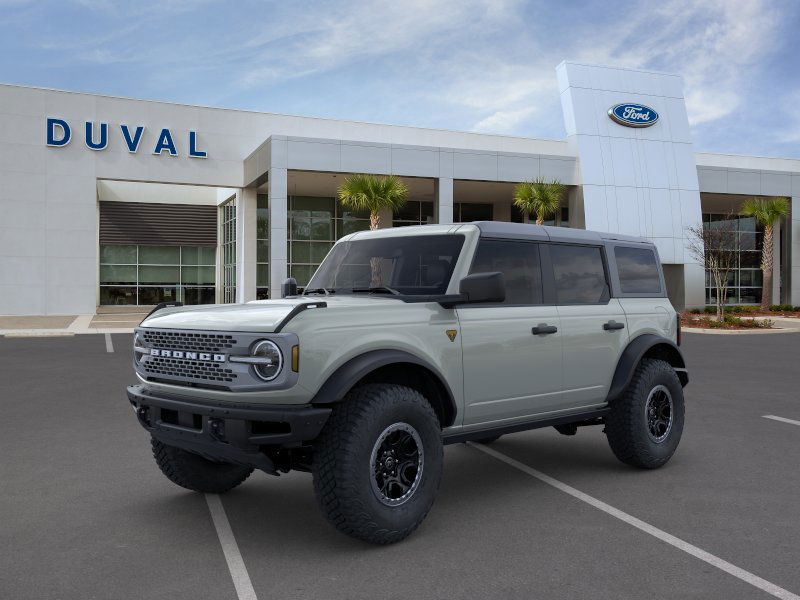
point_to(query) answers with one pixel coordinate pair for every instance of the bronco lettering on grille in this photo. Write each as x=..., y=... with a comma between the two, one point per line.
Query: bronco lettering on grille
x=204, y=356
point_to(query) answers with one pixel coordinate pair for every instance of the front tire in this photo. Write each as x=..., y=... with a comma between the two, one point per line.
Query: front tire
x=645, y=424
x=193, y=472
x=378, y=463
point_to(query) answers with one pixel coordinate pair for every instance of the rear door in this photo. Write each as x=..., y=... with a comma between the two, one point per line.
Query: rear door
x=511, y=350
x=593, y=324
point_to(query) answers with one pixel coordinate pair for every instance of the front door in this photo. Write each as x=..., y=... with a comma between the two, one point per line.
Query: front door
x=512, y=351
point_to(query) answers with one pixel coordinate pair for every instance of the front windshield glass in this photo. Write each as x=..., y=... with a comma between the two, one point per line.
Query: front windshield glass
x=410, y=265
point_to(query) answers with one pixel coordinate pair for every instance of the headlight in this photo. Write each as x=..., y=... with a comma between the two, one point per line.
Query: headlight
x=272, y=360
x=138, y=347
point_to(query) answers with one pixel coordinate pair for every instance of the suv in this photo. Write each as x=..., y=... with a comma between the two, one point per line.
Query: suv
x=407, y=339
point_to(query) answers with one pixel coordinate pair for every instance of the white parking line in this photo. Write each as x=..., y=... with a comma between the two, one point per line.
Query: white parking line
x=241, y=580
x=715, y=561
x=109, y=343
x=782, y=419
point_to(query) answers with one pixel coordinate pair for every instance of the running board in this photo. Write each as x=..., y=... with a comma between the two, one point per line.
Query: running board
x=593, y=417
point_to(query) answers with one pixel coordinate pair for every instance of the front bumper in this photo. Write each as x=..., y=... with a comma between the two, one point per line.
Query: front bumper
x=236, y=433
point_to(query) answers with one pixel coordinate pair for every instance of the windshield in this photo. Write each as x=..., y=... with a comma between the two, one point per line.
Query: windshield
x=410, y=265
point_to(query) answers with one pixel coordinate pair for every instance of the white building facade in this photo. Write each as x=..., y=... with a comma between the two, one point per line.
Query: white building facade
x=111, y=201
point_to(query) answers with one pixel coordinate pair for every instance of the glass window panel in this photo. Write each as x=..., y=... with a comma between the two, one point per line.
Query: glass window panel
x=750, y=260
x=262, y=250
x=302, y=273
x=159, y=255
x=474, y=212
x=426, y=210
x=747, y=241
x=580, y=277
x=118, y=255
x=190, y=255
x=301, y=252
x=262, y=275
x=197, y=275
x=313, y=203
x=322, y=228
x=638, y=270
x=149, y=275
x=208, y=255
x=750, y=278
x=750, y=295
x=117, y=295
x=156, y=295
x=519, y=264
x=198, y=295
x=117, y=274
x=262, y=223
x=319, y=251
x=409, y=212
x=262, y=293
x=351, y=225
x=301, y=227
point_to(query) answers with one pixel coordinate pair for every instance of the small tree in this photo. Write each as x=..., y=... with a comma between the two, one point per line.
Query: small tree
x=766, y=211
x=539, y=197
x=714, y=246
x=373, y=193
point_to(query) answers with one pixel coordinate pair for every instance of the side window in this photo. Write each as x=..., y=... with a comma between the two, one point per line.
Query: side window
x=638, y=270
x=579, y=274
x=519, y=264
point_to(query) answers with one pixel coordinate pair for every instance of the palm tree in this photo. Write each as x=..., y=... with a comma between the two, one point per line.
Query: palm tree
x=373, y=193
x=766, y=211
x=539, y=197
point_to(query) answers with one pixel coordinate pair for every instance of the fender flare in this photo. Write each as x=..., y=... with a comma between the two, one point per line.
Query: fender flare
x=351, y=372
x=633, y=354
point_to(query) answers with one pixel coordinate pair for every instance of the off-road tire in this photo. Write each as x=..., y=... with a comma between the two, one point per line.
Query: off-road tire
x=627, y=426
x=343, y=471
x=196, y=473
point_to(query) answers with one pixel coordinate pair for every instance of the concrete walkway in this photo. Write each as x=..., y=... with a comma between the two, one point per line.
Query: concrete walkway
x=66, y=325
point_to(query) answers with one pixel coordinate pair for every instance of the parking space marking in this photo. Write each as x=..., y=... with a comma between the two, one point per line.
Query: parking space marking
x=236, y=566
x=109, y=343
x=678, y=543
x=782, y=419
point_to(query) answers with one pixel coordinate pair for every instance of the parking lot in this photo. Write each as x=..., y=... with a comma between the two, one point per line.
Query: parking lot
x=86, y=513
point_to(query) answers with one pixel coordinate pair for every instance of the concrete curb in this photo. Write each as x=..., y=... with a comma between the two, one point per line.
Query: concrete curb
x=736, y=331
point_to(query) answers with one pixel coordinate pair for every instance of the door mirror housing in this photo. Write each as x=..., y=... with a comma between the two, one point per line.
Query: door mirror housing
x=482, y=287
x=289, y=287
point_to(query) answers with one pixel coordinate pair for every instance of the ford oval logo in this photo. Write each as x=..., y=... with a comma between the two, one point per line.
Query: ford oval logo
x=633, y=115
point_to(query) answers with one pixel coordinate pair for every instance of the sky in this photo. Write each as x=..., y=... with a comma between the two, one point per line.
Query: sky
x=472, y=65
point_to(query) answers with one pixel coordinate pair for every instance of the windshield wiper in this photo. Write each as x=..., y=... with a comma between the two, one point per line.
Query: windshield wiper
x=378, y=289
x=321, y=290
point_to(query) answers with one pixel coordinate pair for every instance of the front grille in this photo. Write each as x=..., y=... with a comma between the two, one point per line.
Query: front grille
x=194, y=342
x=188, y=369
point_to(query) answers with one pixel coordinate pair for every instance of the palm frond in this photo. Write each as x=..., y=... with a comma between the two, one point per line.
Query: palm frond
x=373, y=193
x=765, y=211
x=539, y=198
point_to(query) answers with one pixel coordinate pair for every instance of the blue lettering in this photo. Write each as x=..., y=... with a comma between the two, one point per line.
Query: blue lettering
x=165, y=143
x=193, y=151
x=90, y=143
x=132, y=142
x=66, y=133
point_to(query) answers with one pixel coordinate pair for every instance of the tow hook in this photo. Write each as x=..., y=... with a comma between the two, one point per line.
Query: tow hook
x=143, y=414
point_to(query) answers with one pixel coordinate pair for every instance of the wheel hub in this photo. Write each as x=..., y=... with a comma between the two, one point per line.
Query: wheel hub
x=396, y=464
x=658, y=413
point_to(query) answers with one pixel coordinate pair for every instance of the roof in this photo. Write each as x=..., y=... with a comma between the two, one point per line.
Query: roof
x=531, y=231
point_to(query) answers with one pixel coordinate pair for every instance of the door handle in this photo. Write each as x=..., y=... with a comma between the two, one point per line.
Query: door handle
x=544, y=329
x=613, y=325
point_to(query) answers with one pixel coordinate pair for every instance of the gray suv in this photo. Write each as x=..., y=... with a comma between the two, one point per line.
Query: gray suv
x=405, y=340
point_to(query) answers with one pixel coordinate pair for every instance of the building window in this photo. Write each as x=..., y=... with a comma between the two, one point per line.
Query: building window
x=745, y=279
x=228, y=248
x=262, y=248
x=414, y=212
x=464, y=212
x=153, y=274
x=561, y=220
x=314, y=225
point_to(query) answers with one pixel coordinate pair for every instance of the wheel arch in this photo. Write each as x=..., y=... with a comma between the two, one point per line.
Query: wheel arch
x=391, y=366
x=646, y=346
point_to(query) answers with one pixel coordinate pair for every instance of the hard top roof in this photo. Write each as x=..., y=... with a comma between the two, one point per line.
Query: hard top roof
x=554, y=234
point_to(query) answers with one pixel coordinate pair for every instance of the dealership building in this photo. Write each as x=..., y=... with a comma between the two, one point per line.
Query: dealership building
x=113, y=201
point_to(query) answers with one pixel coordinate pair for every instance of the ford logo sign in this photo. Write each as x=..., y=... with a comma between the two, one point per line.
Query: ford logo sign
x=633, y=115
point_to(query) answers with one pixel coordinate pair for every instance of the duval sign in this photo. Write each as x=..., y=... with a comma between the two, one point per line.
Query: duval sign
x=59, y=134
x=633, y=115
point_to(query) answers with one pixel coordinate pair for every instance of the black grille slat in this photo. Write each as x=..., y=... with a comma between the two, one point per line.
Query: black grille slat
x=192, y=369
x=193, y=342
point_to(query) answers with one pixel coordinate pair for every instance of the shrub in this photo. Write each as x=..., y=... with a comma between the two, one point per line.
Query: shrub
x=710, y=310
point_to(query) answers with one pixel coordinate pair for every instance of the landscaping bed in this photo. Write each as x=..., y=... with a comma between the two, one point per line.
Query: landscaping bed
x=702, y=320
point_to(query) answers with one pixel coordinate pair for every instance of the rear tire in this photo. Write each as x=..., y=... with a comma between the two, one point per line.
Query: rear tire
x=193, y=472
x=645, y=424
x=378, y=463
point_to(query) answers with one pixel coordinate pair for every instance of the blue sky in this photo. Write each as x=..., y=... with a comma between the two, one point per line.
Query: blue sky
x=479, y=65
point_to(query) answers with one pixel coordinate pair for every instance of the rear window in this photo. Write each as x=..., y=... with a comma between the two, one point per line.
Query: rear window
x=579, y=273
x=638, y=270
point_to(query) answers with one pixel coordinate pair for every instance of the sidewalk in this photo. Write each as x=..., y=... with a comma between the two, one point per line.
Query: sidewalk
x=66, y=325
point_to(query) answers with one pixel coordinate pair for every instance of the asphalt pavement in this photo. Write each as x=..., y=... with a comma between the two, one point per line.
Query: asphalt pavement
x=86, y=513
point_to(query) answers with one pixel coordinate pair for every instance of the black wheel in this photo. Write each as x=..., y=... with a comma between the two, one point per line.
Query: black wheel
x=646, y=423
x=378, y=463
x=196, y=473
x=489, y=440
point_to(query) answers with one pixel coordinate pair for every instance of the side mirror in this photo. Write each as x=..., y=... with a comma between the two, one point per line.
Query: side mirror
x=483, y=287
x=289, y=287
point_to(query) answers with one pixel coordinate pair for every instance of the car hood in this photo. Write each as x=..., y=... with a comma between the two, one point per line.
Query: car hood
x=261, y=316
